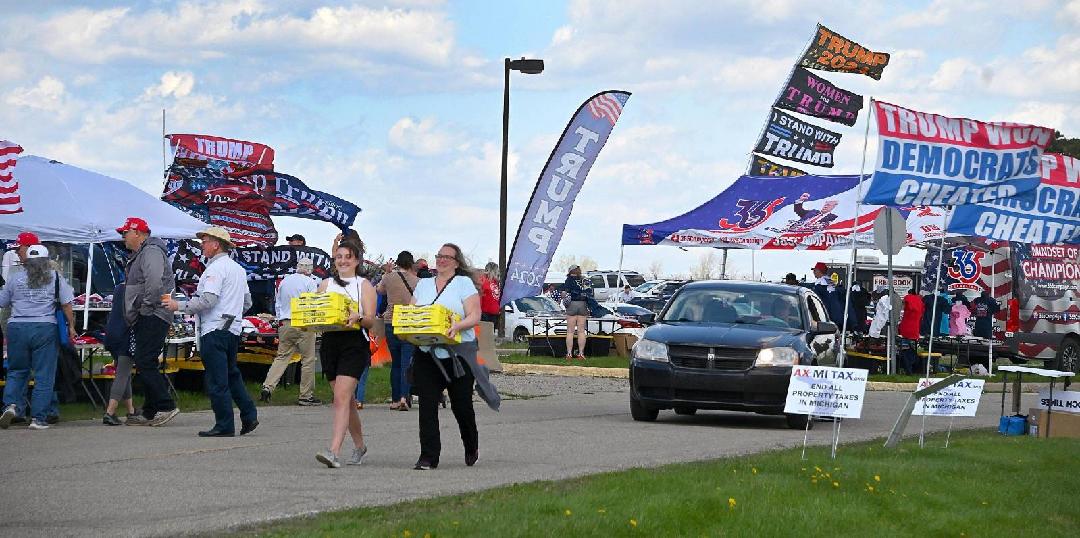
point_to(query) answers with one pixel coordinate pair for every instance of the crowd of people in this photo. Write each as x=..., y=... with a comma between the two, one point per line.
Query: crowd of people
x=37, y=316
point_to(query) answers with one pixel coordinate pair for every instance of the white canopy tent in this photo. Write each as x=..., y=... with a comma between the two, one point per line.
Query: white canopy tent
x=66, y=204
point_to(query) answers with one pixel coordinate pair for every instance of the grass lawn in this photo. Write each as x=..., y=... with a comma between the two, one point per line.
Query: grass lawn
x=378, y=390
x=1025, y=486
x=610, y=361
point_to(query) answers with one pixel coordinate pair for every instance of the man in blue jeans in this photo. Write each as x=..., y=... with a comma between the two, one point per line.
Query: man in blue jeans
x=219, y=302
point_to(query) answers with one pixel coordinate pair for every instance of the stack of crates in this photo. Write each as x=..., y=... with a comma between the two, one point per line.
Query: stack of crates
x=323, y=312
x=425, y=325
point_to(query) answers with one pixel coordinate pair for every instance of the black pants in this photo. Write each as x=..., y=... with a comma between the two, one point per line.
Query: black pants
x=150, y=333
x=428, y=385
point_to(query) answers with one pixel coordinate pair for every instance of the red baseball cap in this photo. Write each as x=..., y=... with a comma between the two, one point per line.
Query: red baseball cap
x=820, y=266
x=133, y=223
x=27, y=239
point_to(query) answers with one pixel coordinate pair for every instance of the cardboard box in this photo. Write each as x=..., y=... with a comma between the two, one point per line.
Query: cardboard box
x=1062, y=424
x=624, y=342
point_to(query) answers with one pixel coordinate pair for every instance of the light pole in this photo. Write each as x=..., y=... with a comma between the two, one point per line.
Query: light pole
x=529, y=67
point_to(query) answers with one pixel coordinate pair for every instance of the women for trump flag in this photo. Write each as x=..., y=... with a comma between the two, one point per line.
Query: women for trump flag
x=553, y=198
x=928, y=159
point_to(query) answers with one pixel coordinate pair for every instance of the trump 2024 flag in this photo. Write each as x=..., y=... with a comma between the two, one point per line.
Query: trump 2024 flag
x=931, y=160
x=553, y=197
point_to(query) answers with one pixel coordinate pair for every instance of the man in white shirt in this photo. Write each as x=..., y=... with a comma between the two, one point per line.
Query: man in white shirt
x=219, y=302
x=292, y=340
x=625, y=295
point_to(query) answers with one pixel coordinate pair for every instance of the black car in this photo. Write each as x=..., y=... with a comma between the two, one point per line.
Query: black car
x=729, y=345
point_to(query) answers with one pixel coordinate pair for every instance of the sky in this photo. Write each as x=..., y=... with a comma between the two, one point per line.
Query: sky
x=397, y=106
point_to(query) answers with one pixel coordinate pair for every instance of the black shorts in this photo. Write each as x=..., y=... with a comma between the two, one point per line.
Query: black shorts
x=344, y=353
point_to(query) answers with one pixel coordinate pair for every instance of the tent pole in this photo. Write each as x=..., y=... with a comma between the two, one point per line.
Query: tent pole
x=854, y=241
x=993, y=289
x=89, y=273
x=723, y=265
x=753, y=265
x=933, y=316
x=622, y=248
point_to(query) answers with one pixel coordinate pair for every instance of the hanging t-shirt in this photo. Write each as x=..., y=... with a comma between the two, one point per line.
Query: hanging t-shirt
x=984, y=309
x=453, y=297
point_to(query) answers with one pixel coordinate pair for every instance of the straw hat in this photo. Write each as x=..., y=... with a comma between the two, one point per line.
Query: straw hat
x=217, y=232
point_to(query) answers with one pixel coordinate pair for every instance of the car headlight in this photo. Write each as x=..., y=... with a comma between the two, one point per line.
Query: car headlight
x=777, y=356
x=650, y=350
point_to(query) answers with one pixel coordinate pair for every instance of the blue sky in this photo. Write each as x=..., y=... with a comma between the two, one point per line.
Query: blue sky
x=397, y=106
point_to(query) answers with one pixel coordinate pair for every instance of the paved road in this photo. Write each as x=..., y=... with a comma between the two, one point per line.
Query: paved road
x=83, y=478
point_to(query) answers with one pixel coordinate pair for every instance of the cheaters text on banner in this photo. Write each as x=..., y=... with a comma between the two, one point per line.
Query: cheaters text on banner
x=932, y=160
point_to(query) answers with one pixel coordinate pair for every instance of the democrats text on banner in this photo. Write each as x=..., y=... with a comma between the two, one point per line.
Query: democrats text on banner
x=294, y=199
x=807, y=93
x=825, y=391
x=259, y=263
x=928, y=159
x=760, y=166
x=830, y=51
x=1051, y=216
x=793, y=139
x=957, y=400
x=797, y=213
x=553, y=198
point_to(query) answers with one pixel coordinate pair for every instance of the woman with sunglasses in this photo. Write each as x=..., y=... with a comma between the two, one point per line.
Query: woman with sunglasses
x=345, y=355
x=454, y=368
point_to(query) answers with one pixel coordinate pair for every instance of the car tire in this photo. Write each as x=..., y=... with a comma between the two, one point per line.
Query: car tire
x=688, y=411
x=1068, y=356
x=799, y=422
x=640, y=412
x=521, y=335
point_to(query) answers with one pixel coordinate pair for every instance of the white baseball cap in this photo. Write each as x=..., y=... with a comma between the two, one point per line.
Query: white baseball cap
x=37, y=251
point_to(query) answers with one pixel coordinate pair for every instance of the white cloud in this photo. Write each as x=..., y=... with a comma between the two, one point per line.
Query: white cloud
x=175, y=84
x=952, y=73
x=422, y=138
x=48, y=94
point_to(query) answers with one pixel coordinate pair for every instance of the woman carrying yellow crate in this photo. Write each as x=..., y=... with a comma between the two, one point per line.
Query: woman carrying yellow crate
x=344, y=354
x=453, y=367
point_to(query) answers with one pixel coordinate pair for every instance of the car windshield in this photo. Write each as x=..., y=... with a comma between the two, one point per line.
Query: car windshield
x=631, y=310
x=634, y=280
x=758, y=307
x=644, y=288
x=537, y=304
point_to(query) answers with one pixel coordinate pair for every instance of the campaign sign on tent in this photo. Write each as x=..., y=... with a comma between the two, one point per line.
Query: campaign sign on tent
x=929, y=159
x=794, y=139
x=760, y=166
x=958, y=400
x=830, y=51
x=1064, y=400
x=826, y=391
x=807, y=93
x=1051, y=216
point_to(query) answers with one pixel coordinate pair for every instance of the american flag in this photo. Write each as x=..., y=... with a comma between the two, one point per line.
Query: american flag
x=10, y=202
x=604, y=106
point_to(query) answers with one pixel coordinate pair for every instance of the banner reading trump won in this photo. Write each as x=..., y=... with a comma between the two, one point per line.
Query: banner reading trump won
x=928, y=159
x=553, y=198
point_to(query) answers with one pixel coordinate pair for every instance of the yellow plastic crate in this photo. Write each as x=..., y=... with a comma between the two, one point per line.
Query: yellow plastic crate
x=425, y=325
x=323, y=312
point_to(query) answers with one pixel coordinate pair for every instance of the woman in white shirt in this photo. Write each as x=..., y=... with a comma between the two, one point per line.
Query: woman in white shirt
x=345, y=354
x=447, y=367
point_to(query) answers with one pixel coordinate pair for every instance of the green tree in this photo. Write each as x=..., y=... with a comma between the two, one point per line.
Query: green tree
x=1064, y=146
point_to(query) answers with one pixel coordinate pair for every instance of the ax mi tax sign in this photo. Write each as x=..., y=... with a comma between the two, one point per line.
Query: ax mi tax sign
x=825, y=391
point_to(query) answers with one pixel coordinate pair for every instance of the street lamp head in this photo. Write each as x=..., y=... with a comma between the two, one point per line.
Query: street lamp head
x=527, y=66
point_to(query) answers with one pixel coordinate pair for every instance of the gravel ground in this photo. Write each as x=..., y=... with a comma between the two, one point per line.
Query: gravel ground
x=533, y=386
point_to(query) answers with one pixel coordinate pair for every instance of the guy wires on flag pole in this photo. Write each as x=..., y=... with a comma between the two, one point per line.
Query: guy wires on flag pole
x=851, y=266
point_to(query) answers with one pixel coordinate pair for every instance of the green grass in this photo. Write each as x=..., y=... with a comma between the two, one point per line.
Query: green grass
x=1025, y=486
x=610, y=361
x=378, y=390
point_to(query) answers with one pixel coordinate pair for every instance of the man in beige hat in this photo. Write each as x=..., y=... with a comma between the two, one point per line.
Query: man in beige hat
x=292, y=340
x=219, y=302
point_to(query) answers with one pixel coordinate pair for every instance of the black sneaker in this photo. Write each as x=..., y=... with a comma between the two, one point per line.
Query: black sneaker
x=52, y=419
x=309, y=401
x=425, y=465
x=110, y=420
x=264, y=395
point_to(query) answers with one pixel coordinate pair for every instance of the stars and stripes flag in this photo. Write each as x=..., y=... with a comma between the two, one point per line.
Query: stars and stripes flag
x=605, y=106
x=10, y=201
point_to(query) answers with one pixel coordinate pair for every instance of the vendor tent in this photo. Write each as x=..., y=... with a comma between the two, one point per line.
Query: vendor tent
x=67, y=204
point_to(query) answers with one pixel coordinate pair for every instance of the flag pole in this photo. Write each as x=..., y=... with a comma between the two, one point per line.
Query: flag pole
x=783, y=87
x=933, y=317
x=855, y=237
x=164, y=151
x=993, y=289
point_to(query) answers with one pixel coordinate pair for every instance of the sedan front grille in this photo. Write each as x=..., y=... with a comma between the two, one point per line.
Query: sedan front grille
x=712, y=358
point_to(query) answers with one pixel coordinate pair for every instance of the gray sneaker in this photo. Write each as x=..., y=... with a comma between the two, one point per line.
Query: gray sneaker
x=358, y=455
x=7, y=416
x=161, y=417
x=328, y=459
x=38, y=425
x=137, y=420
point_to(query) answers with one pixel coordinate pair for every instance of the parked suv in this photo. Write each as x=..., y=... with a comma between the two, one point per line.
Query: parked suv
x=606, y=284
x=729, y=345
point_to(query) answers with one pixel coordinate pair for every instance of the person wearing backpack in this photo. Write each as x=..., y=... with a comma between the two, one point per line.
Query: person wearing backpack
x=398, y=285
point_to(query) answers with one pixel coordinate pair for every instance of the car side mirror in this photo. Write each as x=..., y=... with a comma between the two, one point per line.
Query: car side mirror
x=823, y=327
x=508, y=309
